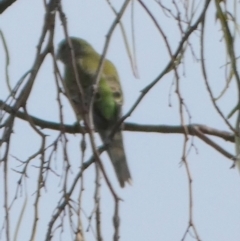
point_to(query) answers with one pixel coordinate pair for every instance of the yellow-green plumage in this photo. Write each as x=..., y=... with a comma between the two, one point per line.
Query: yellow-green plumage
x=107, y=102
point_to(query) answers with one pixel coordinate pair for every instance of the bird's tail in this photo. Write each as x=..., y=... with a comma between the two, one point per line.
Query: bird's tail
x=117, y=155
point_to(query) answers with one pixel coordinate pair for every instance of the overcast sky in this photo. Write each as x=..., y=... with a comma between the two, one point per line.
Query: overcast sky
x=155, y=207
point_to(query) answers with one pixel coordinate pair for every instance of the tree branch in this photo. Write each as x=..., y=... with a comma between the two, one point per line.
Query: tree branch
x=166, y=129
x=5, y=4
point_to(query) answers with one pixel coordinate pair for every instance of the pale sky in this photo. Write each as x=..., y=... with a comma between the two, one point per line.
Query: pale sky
x=155, y=207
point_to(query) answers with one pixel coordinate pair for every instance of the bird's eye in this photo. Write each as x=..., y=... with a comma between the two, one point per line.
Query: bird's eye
x=116, y=94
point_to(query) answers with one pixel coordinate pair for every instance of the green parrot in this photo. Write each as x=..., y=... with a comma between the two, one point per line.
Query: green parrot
x=108, y=99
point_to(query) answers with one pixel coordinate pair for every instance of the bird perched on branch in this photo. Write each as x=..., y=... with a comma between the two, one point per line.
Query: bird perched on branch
x=108, y=100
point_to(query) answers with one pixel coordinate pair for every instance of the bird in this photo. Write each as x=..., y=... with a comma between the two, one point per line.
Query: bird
x=107, y=102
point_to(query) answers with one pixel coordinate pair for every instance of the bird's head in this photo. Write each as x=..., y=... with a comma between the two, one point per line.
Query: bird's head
x=80, y=47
